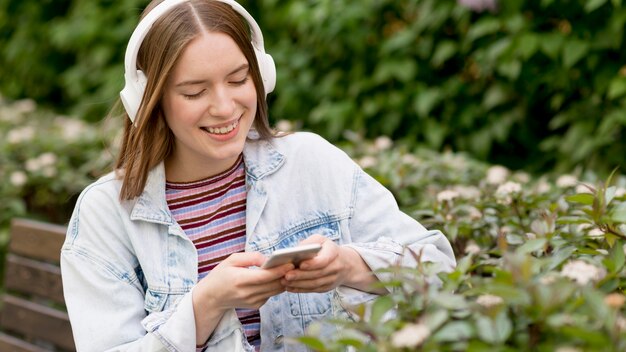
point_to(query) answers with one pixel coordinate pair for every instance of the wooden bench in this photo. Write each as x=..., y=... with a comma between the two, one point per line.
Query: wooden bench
x=33, y=317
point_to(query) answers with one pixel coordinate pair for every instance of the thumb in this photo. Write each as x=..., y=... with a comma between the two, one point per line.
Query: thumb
x=246, y=259
x=314, y=239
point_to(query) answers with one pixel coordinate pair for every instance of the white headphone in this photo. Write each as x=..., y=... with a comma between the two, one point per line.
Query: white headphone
x=135, y=85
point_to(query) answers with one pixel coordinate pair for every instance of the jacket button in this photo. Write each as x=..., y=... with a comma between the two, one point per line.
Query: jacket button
x=279, y=339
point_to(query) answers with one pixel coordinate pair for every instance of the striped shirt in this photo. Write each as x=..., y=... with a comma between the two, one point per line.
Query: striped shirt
x=212, y=212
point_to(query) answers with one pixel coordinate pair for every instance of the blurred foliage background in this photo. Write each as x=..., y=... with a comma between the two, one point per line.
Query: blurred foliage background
x=536, y=85
x=497, y=123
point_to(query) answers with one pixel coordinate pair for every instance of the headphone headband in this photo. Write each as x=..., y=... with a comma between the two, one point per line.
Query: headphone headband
x=135, y=79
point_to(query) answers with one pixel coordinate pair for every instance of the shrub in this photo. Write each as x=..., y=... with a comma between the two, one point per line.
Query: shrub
x=47, y=159
x=533, y=85
x=540, y=261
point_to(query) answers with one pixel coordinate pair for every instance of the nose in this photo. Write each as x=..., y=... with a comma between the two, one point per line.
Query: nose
x=221, y=104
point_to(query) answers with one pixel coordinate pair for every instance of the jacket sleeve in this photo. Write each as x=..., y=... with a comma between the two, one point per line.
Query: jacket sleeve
x=105, y=299
x=383, y=235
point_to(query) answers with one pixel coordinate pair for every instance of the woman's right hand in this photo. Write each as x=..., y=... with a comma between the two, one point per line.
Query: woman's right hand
x=233, y=284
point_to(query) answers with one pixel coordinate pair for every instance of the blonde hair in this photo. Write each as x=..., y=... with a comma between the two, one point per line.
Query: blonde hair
x=148, y=142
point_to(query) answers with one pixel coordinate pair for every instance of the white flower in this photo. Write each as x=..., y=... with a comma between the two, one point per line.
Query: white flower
x=24, y=106
x=582, y=272
x=566, y=181
x=505, y=192
x=71, y=128
x=20, y=135
x=411, y=335
x=49, y=171
x=489, y=301
x=472, y=248
x=509, y=188
x=48, y=159
x=522, y=177
x=33, y=165
x=367, y=162
x=467, y=192
x=543, y=187
x=584, y=188
x=548, y=278
x=447, y=195
x=44, y=161
x=410, y=159
x=595, y=233
x=383, y=143
x=479, y=5
x=474, y=213
x=567, y=349
x=284, y=126
x=18, y=178
x=620, y=192
x=531, y=236
x=497, y=174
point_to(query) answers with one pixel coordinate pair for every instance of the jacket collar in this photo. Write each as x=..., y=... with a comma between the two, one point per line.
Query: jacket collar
x=261, y=159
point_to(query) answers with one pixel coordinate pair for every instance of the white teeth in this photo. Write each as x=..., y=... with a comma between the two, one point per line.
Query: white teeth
x=222, y=130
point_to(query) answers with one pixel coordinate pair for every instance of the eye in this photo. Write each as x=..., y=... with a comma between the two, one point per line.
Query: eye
x=240, y=82
x=193, y=96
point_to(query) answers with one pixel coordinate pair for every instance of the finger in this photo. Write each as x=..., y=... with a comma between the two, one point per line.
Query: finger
x=245, y=259
x=326, y=255
x=298, y=275
x=314, y=239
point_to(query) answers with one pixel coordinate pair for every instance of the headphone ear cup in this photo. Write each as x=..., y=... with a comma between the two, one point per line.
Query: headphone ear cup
x=132, y=94
x=267, y=69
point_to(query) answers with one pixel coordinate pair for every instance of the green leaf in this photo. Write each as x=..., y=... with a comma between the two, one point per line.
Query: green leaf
x=592, y=5
x=381, y=306
x=532, y=245
x=487, y=25
x=551, y=44
x=495, y=330
x=454, y=331
x=561, y=255
x=617, y=88
x=450, y=300
x=573, y=51
x=618, y=214
x=581, y=198
x=312, y=342
x=443, y=52
x=615, y=261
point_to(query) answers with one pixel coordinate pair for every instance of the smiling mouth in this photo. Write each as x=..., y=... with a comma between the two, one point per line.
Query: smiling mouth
x=223, y=129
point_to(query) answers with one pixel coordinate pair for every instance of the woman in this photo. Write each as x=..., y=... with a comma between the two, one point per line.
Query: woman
x=164, y=254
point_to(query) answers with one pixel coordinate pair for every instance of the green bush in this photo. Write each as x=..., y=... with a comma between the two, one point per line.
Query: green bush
x=534, y=85
x=67, y=55
x=47, y=159
x=541, y=261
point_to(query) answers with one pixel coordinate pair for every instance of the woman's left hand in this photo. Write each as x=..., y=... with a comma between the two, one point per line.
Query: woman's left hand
x=330, y=268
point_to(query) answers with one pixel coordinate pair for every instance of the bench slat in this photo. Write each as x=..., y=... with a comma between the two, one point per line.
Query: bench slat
x=11, y=344
x=33, y=277
x=36, y=321
x=36, y=239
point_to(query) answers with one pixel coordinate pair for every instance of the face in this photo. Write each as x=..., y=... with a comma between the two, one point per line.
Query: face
x=209, y=103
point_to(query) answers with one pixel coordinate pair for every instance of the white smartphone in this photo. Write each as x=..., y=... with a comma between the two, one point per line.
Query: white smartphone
x=293, y=255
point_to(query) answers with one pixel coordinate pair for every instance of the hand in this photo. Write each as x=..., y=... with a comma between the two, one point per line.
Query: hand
x=324, y=272
x=232, y=284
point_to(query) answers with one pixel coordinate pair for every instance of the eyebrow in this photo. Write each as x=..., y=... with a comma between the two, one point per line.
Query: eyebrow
x=240, y=68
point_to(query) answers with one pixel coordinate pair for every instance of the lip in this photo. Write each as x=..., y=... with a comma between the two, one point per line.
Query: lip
x=225, y=124
x=227, y=136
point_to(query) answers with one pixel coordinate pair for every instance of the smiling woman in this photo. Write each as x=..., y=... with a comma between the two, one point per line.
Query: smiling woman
x=166, y=252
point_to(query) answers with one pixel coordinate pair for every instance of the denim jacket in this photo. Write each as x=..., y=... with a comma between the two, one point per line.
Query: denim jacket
x=129, y=269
